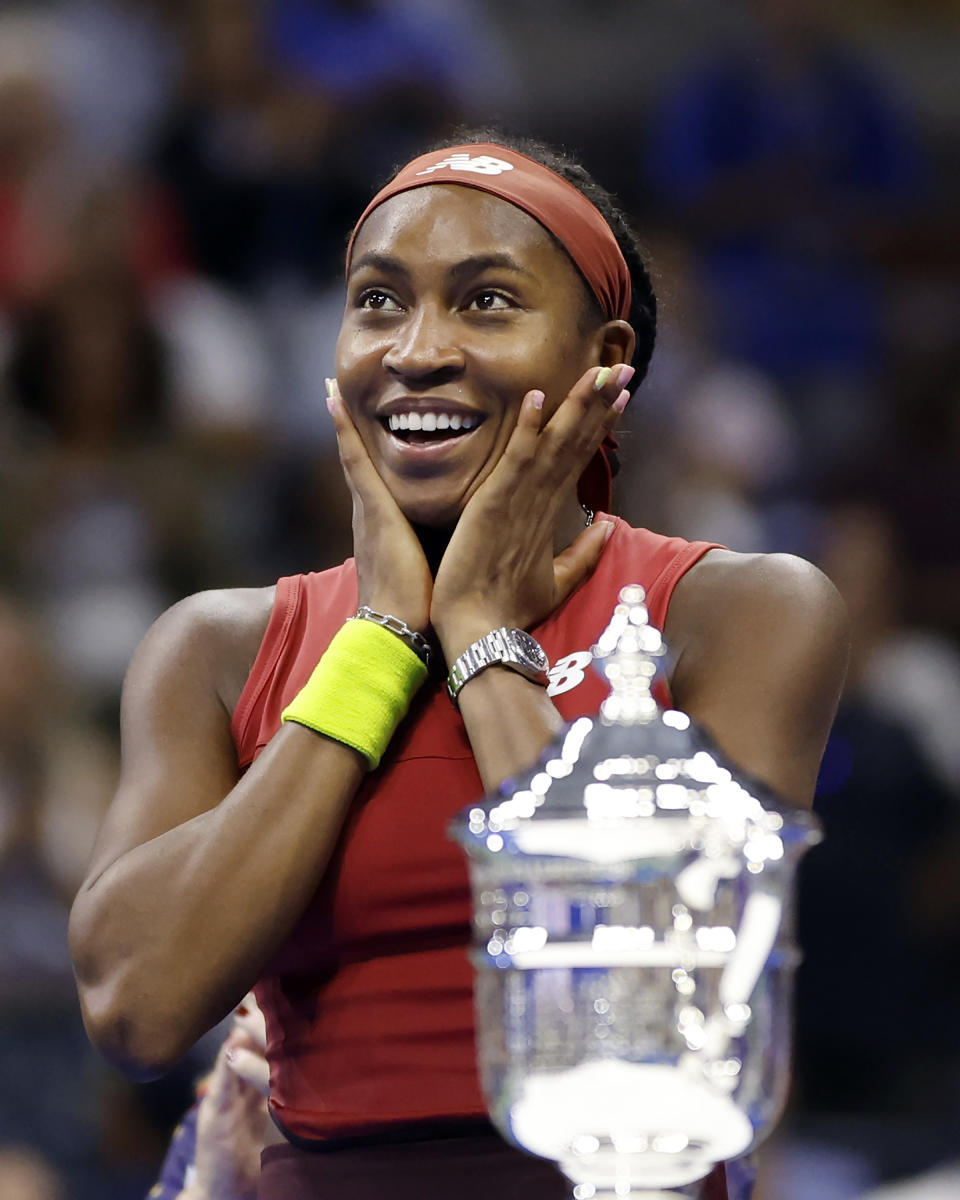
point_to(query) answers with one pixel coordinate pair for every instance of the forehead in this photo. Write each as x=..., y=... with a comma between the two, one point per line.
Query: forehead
x=452, y=222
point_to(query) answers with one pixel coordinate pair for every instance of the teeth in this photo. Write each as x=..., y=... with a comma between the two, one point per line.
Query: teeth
x=429, y=422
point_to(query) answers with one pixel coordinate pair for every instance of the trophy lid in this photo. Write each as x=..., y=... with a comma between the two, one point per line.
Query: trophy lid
x=636, y=781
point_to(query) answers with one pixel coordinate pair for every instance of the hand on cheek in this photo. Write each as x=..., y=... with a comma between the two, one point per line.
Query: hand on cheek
x=500, y=567
x=392, y=573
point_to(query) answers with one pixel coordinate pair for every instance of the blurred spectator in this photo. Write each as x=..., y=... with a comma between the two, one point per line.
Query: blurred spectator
x=915, y=473
x=241, y=155
x=113, y=66
x=98, y=525
x=877, y=1052
x=735, y=443
x=393, y=72
x=52, y=197
x=25, y=1175
x=719, y=447
x=55, y=774
x=30, y=144
x=793, y=166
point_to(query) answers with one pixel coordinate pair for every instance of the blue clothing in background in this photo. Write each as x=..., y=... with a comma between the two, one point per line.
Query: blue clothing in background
x=790, y=291
x=179, y=1160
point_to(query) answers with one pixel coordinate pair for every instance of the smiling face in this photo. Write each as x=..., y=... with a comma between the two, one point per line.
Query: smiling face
x=458, y=304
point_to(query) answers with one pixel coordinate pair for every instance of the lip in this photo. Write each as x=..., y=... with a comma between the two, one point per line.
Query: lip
x=421, y=404
x=425, y=452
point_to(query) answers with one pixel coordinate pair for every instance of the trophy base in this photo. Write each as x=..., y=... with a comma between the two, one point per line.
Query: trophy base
x=644, y=1127
x=583, y=1192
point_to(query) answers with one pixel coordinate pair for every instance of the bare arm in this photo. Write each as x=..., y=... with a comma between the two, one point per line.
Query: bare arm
x=198, y=875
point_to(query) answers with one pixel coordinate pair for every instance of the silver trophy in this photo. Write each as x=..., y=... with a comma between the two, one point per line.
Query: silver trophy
x=632, y=942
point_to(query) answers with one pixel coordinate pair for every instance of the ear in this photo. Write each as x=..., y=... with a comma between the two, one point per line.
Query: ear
x=616, y=343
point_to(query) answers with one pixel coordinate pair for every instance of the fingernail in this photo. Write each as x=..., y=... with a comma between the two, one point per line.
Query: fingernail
x=330, y=402
x=602, y=376
x=624, y=375
x=621, y=401
x=609, y=530
x=537, y=399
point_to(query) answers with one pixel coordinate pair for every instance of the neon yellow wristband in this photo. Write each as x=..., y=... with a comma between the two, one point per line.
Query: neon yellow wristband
x=360, y=689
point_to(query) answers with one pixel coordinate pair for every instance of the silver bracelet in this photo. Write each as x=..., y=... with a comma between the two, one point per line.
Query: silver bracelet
x=416, y=641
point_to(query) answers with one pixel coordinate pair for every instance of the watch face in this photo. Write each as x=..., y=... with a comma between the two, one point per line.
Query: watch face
x=530, y=650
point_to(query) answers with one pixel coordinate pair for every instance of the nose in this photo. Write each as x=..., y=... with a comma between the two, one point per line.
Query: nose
x=425, y=348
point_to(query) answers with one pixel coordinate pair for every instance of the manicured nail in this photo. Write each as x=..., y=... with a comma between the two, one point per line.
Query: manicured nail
x=330, y=402
x=624, y=375
x=621, y=401
x=602, y=376
x=608, y=531
x=536, y=399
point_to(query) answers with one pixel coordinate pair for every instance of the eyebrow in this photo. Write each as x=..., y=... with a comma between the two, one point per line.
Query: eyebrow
x=476, y=264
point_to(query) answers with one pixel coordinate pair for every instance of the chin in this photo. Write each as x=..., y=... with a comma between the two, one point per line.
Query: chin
x=432, y=516
x=439, y=510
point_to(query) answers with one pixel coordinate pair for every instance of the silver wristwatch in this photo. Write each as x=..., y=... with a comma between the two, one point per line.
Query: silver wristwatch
x=513, y=648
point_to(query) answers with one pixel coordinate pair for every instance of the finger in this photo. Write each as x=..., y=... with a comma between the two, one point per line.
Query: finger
x=591, y=400
x=578, y=426
x=219, y=1084
x=250, y=1019
x=361, y=475
x=251, y=1067
x=521, y=449
x=576, y=562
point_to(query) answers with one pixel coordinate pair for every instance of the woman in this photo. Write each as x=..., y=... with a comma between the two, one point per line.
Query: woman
x=279, y=818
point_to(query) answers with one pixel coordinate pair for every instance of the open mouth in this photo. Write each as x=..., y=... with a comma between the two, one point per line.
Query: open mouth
x=428, y=428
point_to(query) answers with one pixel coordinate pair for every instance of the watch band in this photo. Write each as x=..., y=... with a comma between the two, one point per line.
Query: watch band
x=512, y=648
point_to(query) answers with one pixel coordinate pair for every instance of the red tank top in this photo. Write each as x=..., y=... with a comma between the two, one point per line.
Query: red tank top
x=369, y=1005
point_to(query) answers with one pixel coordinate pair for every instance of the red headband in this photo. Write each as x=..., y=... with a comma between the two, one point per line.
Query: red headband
x=559, y=207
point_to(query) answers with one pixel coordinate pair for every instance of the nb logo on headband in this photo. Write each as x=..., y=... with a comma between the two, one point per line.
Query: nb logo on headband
x=483, y=164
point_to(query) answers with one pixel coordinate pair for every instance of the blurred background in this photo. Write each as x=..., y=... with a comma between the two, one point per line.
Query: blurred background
x=177, y=179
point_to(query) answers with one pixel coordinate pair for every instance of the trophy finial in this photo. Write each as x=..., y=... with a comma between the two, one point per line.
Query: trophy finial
x=626, y=654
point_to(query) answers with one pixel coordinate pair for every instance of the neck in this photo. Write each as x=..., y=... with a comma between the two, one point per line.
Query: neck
x=570, y=524
x=434, y=543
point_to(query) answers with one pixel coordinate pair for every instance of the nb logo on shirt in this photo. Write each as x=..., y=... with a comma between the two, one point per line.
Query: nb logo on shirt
x=483, y=164
x=568, y=672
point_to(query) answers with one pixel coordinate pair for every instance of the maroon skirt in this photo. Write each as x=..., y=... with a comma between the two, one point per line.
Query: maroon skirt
x=469, y=1163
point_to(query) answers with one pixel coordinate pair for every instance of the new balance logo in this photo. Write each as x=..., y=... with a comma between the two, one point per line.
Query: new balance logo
x=483, y=164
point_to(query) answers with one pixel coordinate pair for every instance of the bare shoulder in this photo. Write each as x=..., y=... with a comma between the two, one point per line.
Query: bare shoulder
x=727, y=591
x=214, y=635
x=178, y=697
x=760, y=646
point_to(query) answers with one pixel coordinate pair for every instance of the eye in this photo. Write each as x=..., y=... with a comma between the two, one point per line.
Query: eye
x=375, y=300
x=490, y=301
